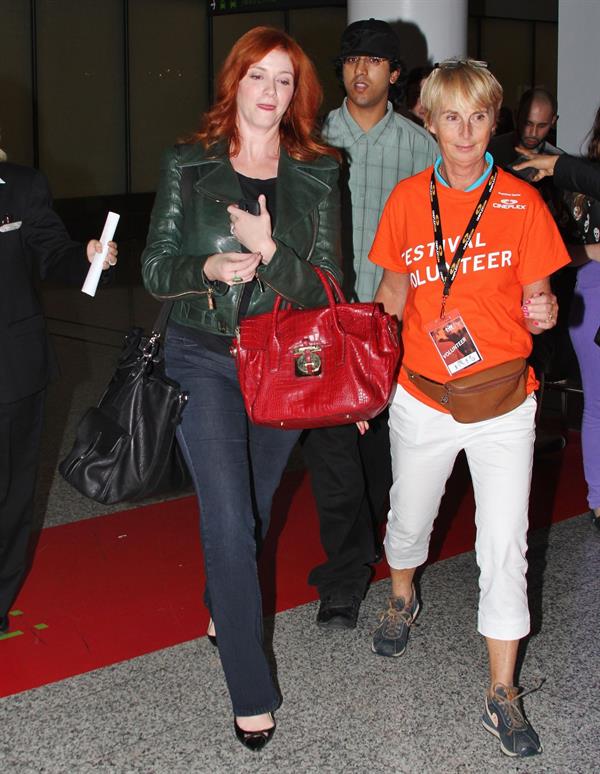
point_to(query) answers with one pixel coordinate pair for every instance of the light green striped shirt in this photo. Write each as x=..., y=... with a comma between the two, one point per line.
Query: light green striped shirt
x=393, y=149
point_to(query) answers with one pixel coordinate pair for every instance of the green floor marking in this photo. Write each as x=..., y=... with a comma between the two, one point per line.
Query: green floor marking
x=9, y=635
x=40, y=626
x=15, y=612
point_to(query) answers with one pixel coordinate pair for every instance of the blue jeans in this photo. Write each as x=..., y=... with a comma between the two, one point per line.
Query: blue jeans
x=236, y=467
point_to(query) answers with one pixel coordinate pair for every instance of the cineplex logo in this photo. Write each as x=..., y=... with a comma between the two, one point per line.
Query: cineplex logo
x=509, y=203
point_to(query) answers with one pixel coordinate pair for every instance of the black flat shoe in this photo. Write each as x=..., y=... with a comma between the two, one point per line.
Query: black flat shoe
x=338, y=613
x=595, y=520
x=254, y=740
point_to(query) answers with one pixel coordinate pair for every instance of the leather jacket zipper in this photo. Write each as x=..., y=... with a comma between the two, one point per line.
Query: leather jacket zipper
x=174, y=296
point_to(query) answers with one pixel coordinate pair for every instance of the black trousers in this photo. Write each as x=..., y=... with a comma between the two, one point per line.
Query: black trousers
x=20, y=433
x=351, y=477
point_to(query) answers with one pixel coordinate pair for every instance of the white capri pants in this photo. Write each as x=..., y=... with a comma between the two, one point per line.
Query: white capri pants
x=424, y=444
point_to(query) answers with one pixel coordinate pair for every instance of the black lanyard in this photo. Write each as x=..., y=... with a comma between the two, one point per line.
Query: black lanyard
x=447, y=275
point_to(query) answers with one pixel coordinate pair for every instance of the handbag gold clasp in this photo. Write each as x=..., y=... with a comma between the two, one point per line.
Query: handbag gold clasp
x=308, y=362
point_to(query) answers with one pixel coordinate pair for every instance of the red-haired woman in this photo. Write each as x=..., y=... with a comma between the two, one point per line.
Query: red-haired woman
x=219, y=261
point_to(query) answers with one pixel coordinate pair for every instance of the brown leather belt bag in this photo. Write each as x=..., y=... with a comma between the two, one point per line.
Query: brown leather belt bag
x=484, y=395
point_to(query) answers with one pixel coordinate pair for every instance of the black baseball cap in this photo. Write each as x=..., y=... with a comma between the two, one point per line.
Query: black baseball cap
x=371, y=37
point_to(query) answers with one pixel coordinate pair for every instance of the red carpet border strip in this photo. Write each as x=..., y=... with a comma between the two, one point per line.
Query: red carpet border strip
x=114, y=587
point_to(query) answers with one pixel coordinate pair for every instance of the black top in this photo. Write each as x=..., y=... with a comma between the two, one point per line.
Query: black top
x=578, y=213
x=502, y=148
x=578, y=174
x=252, y=188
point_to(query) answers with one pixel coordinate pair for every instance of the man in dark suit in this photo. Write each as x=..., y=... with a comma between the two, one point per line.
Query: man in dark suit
x=32, y=239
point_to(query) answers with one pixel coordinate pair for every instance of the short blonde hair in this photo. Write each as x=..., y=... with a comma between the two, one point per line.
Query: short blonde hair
x=463, y=82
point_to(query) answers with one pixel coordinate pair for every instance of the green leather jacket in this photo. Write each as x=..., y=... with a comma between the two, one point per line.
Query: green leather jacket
x=307, y=230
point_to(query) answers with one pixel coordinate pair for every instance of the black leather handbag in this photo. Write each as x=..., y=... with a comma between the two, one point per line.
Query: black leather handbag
x=125, y=447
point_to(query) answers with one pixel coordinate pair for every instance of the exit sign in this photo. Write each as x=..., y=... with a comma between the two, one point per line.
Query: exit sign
x=220, y=7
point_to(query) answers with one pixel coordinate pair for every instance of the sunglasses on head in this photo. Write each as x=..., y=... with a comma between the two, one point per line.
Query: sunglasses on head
x=452, y=64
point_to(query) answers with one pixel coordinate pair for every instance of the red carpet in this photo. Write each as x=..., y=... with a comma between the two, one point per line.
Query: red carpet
x=108, y=589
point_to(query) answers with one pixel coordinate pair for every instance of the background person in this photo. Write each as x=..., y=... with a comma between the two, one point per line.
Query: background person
x=414, y=83
x=32, y=240
x=537, y=115
x=583, y=175
x=501, y=295
x=351, y=474
x=222, y=263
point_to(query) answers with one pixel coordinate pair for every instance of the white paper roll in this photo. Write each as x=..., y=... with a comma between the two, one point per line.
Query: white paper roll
x=93, y=276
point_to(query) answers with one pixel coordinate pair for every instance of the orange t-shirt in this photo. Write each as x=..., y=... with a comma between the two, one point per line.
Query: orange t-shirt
x=516, y=243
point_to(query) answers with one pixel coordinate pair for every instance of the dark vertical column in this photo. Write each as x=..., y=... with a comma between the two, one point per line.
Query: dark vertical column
x=210, y=55
x=532, y=47
x=126, y=94
x=34, y=85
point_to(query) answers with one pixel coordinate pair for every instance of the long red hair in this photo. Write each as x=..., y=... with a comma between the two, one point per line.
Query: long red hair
x=297, y=128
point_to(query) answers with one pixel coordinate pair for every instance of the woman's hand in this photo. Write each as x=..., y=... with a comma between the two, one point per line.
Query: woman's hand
x=540, y=311
x=363, y=426
x=94, y=246
x=253, y=231
x=543, y=163
x=231, y=268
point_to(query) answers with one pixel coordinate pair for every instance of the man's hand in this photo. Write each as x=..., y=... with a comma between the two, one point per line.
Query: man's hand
x=94, y=247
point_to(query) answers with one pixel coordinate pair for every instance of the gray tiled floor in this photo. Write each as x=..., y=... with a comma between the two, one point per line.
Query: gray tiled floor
x=344, y=710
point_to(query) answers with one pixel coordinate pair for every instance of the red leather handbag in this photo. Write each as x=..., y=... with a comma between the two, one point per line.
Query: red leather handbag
x=301, y=368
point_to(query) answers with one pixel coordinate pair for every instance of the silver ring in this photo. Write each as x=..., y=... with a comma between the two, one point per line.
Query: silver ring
x=232, y=229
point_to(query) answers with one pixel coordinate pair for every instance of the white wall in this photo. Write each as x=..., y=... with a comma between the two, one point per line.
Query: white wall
x=443, y=23
x=578, y=71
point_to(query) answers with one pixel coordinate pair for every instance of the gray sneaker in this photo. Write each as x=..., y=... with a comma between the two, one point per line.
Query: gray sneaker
x=503, y=717
x=391, y=635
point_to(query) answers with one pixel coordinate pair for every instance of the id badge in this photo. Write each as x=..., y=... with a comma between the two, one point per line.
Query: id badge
x=453, y=342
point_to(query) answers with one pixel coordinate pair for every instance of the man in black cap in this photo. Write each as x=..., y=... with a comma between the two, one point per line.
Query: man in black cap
x=351, y=474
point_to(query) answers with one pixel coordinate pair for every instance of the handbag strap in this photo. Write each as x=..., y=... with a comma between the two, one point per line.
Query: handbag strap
x=160, y=324
x=328, y=281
